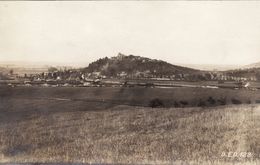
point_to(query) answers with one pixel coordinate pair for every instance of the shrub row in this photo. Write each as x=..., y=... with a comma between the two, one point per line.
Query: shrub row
x=210, y=101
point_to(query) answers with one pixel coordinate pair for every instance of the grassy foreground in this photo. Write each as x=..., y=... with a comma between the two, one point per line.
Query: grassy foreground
x=130, y=135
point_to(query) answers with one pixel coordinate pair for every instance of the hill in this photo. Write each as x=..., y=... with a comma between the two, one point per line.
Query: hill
x=136, y=66
x=254, y=65
x=249, y=73
x=211, y=67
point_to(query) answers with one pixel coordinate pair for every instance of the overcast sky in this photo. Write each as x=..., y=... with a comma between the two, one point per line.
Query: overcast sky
x=178, y=32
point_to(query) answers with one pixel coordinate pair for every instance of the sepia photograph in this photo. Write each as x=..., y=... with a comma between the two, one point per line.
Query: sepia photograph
x=129, y=82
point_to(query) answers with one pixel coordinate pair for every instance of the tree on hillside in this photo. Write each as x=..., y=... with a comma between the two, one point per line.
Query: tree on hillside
x=257, y=76
x=11, y=72
x=52, y=69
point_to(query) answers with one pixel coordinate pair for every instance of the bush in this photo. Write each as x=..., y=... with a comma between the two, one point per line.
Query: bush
x=184, y=103
x=201, y=103
x=235, y=101
x=211, y=100
x=156, y=103
x=176, y=104
x=222, y=101
x=257, y=101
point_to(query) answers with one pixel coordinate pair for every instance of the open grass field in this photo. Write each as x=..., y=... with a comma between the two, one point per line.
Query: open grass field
x=98, y=125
